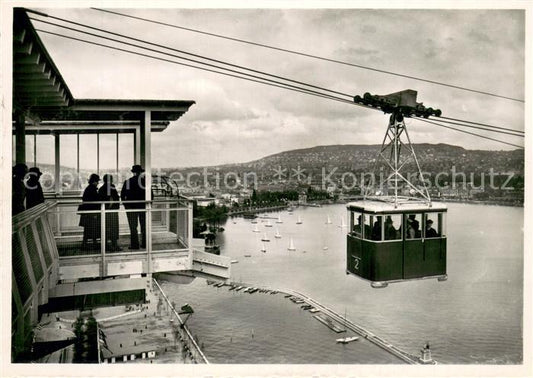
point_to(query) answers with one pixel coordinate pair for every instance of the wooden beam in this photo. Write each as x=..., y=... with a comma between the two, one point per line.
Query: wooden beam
x=18, y=35
x=27, y=69
x=33, y=58
x=24, y=48
x=50, y=94
x=43, y=103
x=38, y=88
x=25, y=81
x=32, y=76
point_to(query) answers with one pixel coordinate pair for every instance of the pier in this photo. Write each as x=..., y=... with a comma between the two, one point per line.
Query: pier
x=326, y=317
x=254, y=210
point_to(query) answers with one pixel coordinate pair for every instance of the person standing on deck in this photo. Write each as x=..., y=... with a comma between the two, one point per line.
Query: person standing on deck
x=134, y=189
x=90, y=221
x=108, y=193
x=34, y=190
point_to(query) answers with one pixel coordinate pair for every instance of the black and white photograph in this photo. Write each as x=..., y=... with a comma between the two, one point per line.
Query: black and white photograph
x=335, y=188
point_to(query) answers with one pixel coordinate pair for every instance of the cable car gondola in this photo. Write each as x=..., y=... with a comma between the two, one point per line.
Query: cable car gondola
x=396, y=233
x=388, y=243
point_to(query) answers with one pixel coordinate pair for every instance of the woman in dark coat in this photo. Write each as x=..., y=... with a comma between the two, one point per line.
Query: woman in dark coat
x=90, y=222
x=108, y=192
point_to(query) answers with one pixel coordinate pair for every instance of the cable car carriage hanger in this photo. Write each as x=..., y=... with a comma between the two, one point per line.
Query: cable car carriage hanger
x=395, y=232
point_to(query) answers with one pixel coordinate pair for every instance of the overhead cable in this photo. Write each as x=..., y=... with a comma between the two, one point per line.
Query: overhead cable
x=516, y=133
x=266, y=82
x=481, y=124
x=181, y=51
x=308, y=55
x=468, y=132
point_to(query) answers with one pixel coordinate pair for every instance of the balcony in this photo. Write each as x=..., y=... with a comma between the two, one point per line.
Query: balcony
x=51, y=268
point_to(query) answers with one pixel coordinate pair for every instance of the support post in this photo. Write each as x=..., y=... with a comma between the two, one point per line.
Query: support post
x=34, y=150
x=57, y=147
x=103, y=239
x=137, y=146
x=148, y=218
x=20, y=138
x=98, y=154
x=146, y=151
x=78, y=180
x=116, y=146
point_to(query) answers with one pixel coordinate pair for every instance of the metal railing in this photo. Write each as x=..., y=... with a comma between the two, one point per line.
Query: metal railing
x=106, y=226
x=34, y=271
x=183, y=333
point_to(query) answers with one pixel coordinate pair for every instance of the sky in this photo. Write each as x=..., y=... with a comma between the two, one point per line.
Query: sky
x=238, y=121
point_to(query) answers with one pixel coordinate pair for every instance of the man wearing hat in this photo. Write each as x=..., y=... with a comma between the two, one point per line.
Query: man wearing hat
x=90, y=221
x=134, y=189
x=34, y=190
x=430, y=231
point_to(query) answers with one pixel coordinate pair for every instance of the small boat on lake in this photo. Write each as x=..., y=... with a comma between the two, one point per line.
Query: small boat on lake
x=268, y=224
x=265, y=238
x=277, y=235
x=346, y=340
x=299, y=221
x=291, y=246
x=279, y=219
x=256, y=229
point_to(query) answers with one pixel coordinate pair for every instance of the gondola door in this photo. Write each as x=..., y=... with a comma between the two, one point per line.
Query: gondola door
x=414, y=264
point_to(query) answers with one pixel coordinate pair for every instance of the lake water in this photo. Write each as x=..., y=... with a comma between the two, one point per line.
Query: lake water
x=473, y=318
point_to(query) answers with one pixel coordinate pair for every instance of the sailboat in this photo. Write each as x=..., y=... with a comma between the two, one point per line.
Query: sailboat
x=343, y=224
x=268, y=224
x=328, y=220
x=279, y=219
x=291, y=246
x=263, y=248
x=256, y=229
x=265, y=238
x=299, y=221
x=347, y=339
x=278, y=235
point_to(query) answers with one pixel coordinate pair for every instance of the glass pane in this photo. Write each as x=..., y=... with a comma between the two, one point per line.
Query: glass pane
x=368, y=221
x=30, y=157
x=393, y=226
x=412, y=227
x=68, y=161
x=356, y=224
x=45, y=161
x=87, y=157
x=108, y=154
x=433, y=225
x=377, y=228
x=125, y=157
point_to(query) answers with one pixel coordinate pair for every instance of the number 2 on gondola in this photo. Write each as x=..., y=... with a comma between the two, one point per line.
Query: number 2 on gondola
x=356, y=262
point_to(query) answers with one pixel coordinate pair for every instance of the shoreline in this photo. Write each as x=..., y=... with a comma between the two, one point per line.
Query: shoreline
x=348, y=324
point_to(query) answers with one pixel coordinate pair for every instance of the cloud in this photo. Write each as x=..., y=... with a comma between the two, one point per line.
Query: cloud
x=235, y=120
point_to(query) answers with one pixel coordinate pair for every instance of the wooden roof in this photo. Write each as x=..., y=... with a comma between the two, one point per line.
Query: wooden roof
x=40, y=91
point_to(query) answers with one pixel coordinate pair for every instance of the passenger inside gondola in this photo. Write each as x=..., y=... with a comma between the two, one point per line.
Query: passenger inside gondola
x=412, y=231
x=358, y=228
x=390, y=231
x=430, y=231
x=376, y=229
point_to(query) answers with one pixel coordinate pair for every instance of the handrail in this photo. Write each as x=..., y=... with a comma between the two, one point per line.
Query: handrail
x=181, y=323
x=27, y=216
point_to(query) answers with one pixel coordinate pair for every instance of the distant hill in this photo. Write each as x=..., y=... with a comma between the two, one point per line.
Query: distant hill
x=350, y=157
